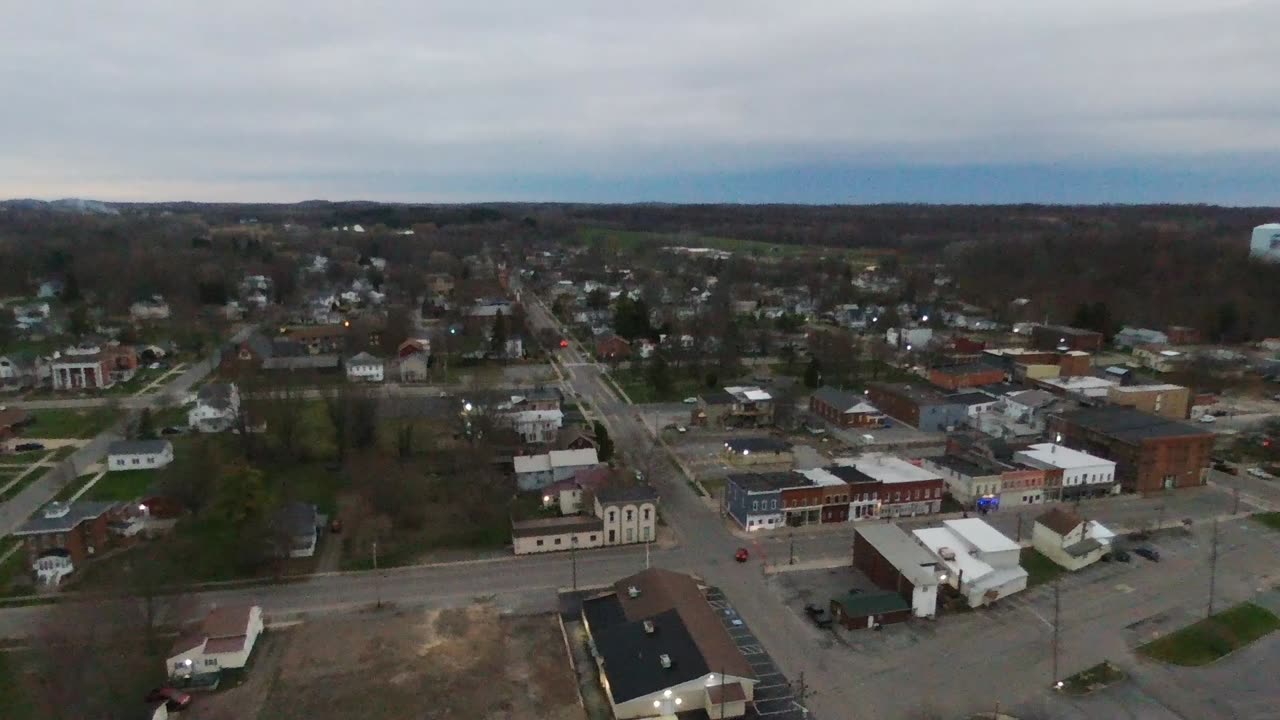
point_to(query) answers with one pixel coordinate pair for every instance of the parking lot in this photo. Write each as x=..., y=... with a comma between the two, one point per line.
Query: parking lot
x=775, y=696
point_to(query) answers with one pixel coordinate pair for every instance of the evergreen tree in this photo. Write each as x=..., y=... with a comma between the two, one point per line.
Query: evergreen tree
x=604, y=444
x=659, y=374
x=812, y=374
x=498, y=338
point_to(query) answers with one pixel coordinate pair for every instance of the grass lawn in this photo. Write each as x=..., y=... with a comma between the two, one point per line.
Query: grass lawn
x=1040, y=569
x=68, y=423
x=1094, y=678
x=1214, y=637
x=12, y=574
x=122, y=485
x=18, y=487
x=1271, y=519
x=17, y=704
x=637, y=386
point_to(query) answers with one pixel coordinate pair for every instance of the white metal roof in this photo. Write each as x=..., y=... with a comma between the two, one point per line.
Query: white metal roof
x=887, y=468
x=941, y=541
x=570, y=458
x=756, y=394
x=532, y=463
x=1060, y=456
x=916, y=564
x=981, y=535
x=821, y=477
x=1148, y=388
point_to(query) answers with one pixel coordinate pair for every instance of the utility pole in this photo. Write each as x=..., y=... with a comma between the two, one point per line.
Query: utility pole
x=1019, y=537
x=792, y=538
x=573, y=559
x=377, y=584
x=1213, y=567
x=1235, y=501
x=1057, y=609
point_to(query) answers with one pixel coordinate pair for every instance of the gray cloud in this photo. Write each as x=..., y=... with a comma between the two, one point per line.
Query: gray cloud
x=261, y=100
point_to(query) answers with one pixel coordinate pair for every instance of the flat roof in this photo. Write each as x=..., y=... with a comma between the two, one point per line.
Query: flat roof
x=768, y=481
x=1130, y=425
x=1163, y=387
x=964, y=466
x=967, y=369
x=919, y=394
x=819, y=476
x=1061, y=456
x=941, y=540
x=917, y=565
x=555, y=525
x=887, y=468
x=981, y=535
x=972, y=398
x=758, y=444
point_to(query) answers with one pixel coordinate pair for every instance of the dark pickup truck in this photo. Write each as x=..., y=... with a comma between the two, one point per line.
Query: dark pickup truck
x=818, y=615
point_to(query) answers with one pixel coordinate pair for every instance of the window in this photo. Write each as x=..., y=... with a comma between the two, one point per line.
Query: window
x=629, y=513
x=593, y=538
x=539, y=543
x=648, y=533
x=136, y=461
x=896, y=497
x=612, y=515
x=646, y=513
x=774, y=504
x=629, y=534
x=755, y=504
x=612, y=536
x=211, y=662
x=557, y=541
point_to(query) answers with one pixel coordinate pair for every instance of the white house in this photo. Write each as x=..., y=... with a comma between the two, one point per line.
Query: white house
x=1069, y=540
x=535, y=426
x=629, y=513
x=1082, y=473
x=216, y=408
x=982, y=564
x=139, y=454
x=223, y=641
x=554, y=534
x=534, y=472
x=364, y=367
x=153, y=308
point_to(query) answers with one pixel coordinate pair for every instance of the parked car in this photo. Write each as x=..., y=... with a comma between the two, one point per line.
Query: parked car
x=690, y=401
x=818, y=615
x=1222, y=466
x=742, y=555
x=1260, y=474
x=681, y=429
x=1149, y=553
x=1208, y=419
x=28, y=447
x=173, y=699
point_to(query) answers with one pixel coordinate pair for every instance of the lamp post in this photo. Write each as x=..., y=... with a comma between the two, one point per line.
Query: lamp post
x=573, y=559
x=667, y=705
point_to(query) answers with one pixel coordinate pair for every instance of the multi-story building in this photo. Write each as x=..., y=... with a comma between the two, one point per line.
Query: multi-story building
x=844, y=409
x=892, y=560
x=1055, y=337
x=734, y=407
x=1169, y=401
x=959, y=377
x=752, y=499
x=629, y=513
x=62, y=536
x=1151, y=452
x=1083, y=475
x=918, y=406
x=982, y=564
x=905, y=489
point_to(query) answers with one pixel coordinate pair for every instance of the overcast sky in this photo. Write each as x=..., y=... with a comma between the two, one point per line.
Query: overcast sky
x=749, y=101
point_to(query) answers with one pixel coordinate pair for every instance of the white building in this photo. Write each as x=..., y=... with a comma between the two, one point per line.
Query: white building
x=1086, y=386
x=917, y=338
x=1082, y=473
x=983, y=565
x=364, y=367
x=223, y=641
x=535, y=426
x=555, y=534
x=139, y=454
x=629, y=513
x=217, y=406
x=1266, y=242
x=153, y=308
x=1069, y=540
x=534, y=472
x=915, y=569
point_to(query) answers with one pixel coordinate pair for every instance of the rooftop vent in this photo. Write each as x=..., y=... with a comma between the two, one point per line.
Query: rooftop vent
x=56, y=509
x=633, y=591
x=649, y=629
x=946, y=553
x=664, y=660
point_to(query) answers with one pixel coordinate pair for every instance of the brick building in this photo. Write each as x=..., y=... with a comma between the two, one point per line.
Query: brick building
x=1151, y=452
x=918, y=406
x=1169, y=401
x=844, y=409
x=959, y=377
x=905, y=489
x=1052, y=337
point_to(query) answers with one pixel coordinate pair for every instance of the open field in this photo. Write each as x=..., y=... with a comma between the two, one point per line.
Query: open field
x=1213, y=637
x=638, y=388
x=122, y=485
x=461, y=663
x=1040, y=569
x=69, y=423
x=631, y=239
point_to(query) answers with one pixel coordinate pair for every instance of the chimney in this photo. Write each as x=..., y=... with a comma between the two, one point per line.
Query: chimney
x=665, y=661
x=633, y=591
x=649, y=629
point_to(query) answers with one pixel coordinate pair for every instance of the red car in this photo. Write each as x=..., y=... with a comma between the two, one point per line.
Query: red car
x=742, y=555
x=564, y=343
x=173, y=700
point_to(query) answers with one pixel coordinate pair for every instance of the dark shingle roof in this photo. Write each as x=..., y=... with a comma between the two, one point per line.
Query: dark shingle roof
x=1131, y=425
x=872, y=603
x=632, y=655
x=850, y=474
x=1060, y=521
x=295, y=518
x=626, y=493
x=718, y=397
x=838, y=399
x=758, y=445
x=216, y=395
x=555, y=526
x=137, y=447
x=77, y=512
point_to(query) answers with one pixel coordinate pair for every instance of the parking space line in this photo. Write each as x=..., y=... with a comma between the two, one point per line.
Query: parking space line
x=751, y=649
x=761, y=675
x=768, y=687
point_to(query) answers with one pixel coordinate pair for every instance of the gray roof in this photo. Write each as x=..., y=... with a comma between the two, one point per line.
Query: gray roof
x=216, y=395
x=1084, y=547
x=260, y=345
x=1129, y=425
x=363, y=358
x=917, y=565
x=300, y=362
x=296, y=518
x=139, y=447
x=1033, y=398
x=838, y=399
x=77, y=513
x=971, y=398
x=965, y=466
x=626, y=493
x=718, y=397
x=768, y=481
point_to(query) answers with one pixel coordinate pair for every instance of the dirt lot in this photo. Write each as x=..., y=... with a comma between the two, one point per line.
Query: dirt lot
x=471, y=663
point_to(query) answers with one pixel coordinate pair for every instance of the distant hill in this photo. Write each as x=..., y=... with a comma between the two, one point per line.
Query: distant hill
x=70, y=205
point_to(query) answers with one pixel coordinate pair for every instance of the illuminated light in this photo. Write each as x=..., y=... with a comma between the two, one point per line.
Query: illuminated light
x=924, y=318
x=679, y=700
x=657, y=703
x=666, y=693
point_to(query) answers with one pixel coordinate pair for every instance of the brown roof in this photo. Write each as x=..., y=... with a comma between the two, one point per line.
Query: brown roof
x=725, y=693
x=303, y=332
x=12, y=416
x=555, y=526
x=224, y=645
x=1060, y=521
x=662, y=590
x=186, y=642
x=227, y=621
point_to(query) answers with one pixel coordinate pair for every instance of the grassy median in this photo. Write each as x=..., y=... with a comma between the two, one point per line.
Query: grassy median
x=1213, y=637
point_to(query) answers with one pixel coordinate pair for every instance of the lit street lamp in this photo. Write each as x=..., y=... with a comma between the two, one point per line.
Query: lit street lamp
x=667, y=705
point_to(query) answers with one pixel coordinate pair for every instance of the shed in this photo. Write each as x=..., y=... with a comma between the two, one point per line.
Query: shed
x=862, y=610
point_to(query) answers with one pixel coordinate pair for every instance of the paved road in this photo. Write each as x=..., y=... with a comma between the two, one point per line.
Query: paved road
x=20, y=507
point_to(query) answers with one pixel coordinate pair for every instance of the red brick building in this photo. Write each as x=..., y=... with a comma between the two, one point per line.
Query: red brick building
x=1151, y=452
x=72, y=531
x=1053, y=337
x=1074, y=363
x=959, y=377
x=844, y=409
x=1182, y=335
x=613, y=348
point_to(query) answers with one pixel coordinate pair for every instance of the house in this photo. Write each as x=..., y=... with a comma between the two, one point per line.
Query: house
x=612, y=347
x=736, y=406
x=870, y=609
x=752, y=499
x=553, y=534
x=364, y=367
x=629, y=513
x=1055, y=337
x=905, y=489
x=17, y=371
x=1129, y=337
x=893, y=561
x=1165, y=400
x=294, y=530
x=87, y=368
x=62, y=536
x=533, y=426
x=1151, y=453
x=575, y=437
x=959, y=377
x=757, y=451
x=1069, y=540
x=567, y=495
x=1083, y=475
x=216, y=409
x=920, y=407
x=1029, y=407
x=661, y=649
x=1159, y=358
x=152, y=308
x=224, y=641
x=139, y=454
x=413, y=359
x=844, y=409
x=12, y=421
x=534, y=472
x=982, y=564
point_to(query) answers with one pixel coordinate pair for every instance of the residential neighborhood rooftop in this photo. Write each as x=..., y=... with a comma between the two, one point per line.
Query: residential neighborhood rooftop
x=63, y=517
x=138, y=447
